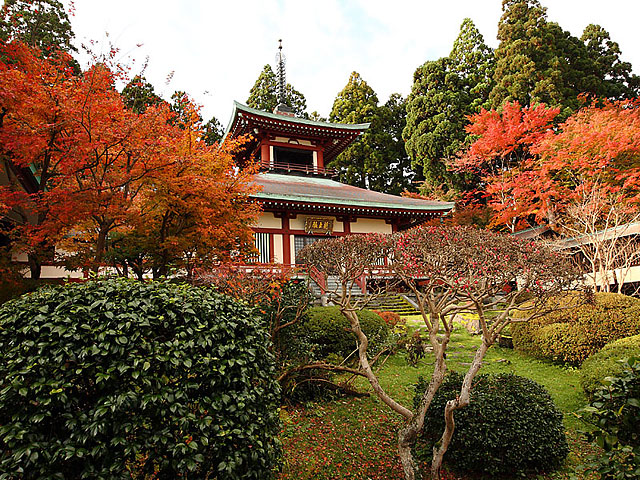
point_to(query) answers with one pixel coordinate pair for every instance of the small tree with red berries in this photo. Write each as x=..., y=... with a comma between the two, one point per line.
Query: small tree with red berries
x=451, y=270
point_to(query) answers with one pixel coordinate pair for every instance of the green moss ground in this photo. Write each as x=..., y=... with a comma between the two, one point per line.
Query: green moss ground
x=355, y=438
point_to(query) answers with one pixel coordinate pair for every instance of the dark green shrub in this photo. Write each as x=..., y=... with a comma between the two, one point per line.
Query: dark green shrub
x=97, y=377
x=571, y=335
x=510, y=426
x=606, y=363
x=615, y=413
x=13, y=288
x=328, y=332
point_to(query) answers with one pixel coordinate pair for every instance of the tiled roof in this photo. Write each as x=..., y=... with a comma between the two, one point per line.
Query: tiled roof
x=335, y=136
x=238, y=107
x=624, y=230
x=301, y=189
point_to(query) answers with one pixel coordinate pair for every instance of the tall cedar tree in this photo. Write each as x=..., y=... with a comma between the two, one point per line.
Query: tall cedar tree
x=612, y=78
x=444, y=93
x=375, y=161
x=400, y=176
x=538, y=62
x=43, y=24
x=528, y=69
x=210, y=132
x=139, y=94
x=263, y=94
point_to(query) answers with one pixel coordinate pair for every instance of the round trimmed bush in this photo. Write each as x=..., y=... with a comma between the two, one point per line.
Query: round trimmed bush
x=570, y=335
x=606, y=362
x=107, y=376
x=328, y=332
x=511, y=426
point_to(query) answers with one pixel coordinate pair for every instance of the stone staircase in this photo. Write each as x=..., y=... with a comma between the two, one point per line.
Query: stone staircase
x=332, y=286
x=394, y=302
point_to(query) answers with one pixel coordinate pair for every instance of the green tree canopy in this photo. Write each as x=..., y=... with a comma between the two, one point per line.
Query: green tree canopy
x=213, y=131
x=263, y=94
x=444, y=93
x=139, y=94
x=539, y=62
x=377, y=161
x=613, y=77
x=40, y=23
x=528, y=67
x=393, y=115
x=473, y=61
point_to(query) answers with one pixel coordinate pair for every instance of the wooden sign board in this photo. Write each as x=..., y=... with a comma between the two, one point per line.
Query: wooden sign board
x=318, y=225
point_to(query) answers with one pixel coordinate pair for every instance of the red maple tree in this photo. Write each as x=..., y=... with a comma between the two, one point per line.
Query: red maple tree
x=502, y=157
x=81, y=167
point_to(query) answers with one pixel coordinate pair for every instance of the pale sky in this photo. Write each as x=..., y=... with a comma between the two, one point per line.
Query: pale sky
x=214, y=50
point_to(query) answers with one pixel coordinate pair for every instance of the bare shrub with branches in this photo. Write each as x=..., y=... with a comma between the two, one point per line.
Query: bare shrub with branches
x=604, y=230
x=450, y=270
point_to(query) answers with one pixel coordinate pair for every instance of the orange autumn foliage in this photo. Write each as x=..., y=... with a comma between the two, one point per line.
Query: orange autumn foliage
x=532, y=170
x=82, y=167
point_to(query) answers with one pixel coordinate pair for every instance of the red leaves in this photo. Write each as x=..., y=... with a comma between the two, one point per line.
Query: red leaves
x=533, y=170
x=501, y=133
x=91, y=167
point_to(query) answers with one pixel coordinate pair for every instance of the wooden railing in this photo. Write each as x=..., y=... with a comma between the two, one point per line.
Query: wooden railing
x=319, y=278
x=292, y=167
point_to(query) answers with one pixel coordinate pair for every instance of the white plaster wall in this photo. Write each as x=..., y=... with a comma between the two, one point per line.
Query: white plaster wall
x=278, y=249
x=628, y=275
x=370, y=225
x=297, y=223
x=19, y=257
x=267, y=220
x=59, y=272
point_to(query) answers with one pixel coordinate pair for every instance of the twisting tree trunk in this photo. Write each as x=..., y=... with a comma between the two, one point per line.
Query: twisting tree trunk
x=450, y=270
x=460, y=401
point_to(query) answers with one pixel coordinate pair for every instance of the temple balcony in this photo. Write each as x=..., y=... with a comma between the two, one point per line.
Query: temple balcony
x=284, y=167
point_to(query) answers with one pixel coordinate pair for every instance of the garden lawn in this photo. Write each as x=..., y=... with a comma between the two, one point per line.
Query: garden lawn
x=355, y=438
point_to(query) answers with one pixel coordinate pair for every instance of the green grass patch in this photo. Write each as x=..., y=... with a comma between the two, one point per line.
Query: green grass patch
x=356, y=438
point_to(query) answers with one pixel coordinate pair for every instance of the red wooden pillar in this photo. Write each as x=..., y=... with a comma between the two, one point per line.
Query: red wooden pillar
x=265, y=157
x=321, y=159
x=286, y=241
x=346, y=225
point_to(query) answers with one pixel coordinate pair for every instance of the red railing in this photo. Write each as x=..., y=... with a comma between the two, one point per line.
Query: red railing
x=292, y=167
x=319, y=278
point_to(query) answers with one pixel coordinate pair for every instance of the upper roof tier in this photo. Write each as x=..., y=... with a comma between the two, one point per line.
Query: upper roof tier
x=332, y=196
x=334, y=136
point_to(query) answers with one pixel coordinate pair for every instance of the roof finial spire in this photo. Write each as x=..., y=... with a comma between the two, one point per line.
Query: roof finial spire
x=281, y=83
x=281, y=75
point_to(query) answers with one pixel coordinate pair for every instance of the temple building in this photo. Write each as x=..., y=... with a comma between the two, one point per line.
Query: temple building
x=301, y=202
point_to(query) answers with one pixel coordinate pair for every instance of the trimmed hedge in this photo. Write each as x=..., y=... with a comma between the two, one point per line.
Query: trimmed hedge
x=573, y=334
x=606, y=362
x=102, y=377
x=328, y=332
x=511, y=426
